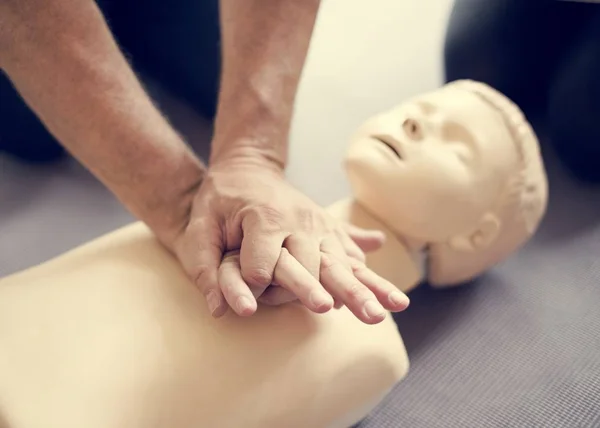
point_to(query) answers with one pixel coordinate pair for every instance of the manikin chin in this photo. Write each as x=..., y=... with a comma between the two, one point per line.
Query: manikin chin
x=454, y=178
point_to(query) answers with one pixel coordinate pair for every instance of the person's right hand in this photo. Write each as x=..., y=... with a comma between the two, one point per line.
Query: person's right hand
x=287, y=272
x=288, y=275
x=289, y=247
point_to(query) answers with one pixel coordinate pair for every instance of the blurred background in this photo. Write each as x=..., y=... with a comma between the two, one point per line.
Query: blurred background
x=366, y=56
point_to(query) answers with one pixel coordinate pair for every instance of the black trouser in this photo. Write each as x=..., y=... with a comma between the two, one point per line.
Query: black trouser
x=176, y=42
x=545, y=55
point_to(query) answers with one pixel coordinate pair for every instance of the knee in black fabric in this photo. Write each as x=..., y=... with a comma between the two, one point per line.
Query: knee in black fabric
x=479, y=43
x=22, y=134
x=575, y=134
x=176, y=43
x=508, y=44
x=574, y=108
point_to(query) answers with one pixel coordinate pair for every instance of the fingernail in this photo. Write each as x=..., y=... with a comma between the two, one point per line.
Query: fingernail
x=399, y=299
x=213, y=301
x=374, y=309
x=244, y=304
x=319, y=299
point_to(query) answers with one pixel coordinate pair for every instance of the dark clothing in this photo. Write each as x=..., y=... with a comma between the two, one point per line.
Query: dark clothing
x=175, y=42
x=545, y=56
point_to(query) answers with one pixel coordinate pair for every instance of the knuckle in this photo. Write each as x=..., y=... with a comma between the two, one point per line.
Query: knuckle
x=258, y=277
x=328, y=262
x=225, y=278
x=357, y=292
x=358, y=266
x=269, y=217
x=228, y=288
x=313, y=219
x=200, y=275
x=211, y=292
x=307, y=220
x=284, y=256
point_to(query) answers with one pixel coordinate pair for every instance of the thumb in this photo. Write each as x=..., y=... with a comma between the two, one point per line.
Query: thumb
x=201, y=255
x=367, y=239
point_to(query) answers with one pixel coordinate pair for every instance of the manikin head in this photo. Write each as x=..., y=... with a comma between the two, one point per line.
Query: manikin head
x=456, y=171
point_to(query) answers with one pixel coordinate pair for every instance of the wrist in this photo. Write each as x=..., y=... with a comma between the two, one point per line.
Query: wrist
x=161, y=192
x=243, y=152
x=252, y=125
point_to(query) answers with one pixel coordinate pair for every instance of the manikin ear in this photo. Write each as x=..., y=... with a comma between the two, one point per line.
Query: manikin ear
x=485, y=233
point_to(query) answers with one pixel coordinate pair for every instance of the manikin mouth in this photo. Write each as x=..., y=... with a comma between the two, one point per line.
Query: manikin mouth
x=390, y=143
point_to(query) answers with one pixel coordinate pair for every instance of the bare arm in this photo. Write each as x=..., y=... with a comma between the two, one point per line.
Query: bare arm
x=61, y=57
x=63, y=60
x=265, y=43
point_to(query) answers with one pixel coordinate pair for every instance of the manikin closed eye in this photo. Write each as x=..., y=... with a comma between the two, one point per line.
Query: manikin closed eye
x=468, y=155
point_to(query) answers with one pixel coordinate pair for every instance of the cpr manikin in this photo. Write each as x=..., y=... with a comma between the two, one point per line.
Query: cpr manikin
x=454, y=177
x=113, y=335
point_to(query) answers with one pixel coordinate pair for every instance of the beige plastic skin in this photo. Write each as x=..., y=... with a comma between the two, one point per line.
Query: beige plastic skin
x=454, y=177
x=112, y=334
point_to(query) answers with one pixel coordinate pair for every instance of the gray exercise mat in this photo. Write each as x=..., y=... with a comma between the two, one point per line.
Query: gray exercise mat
x=520, y=347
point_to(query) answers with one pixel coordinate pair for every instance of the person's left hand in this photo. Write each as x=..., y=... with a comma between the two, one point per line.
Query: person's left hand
x=285, y=240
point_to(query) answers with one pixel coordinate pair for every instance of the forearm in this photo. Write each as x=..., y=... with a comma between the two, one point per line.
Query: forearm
x=61, y=57
x=265, y=43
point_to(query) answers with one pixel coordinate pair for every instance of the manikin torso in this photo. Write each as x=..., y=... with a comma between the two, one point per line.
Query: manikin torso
x=113, y=335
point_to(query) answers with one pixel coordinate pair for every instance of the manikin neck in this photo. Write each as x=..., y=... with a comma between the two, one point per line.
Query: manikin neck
x=412, y=244
x=401, y=260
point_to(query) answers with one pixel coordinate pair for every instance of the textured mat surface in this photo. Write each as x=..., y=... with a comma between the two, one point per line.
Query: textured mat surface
x=519, y=348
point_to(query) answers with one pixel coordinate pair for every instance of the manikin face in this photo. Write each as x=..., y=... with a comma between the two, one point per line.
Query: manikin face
x=433, y=166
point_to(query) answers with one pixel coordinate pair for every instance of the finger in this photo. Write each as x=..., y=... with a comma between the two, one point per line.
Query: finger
x=307, y=251
x=351, y=248
x=291, y=275
x=338, y=278
x=236, y=291
x=260, y=250
x=275, y=296
x=331, y=244
x=200, y=255
x=387, y=293
x=367, y=239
